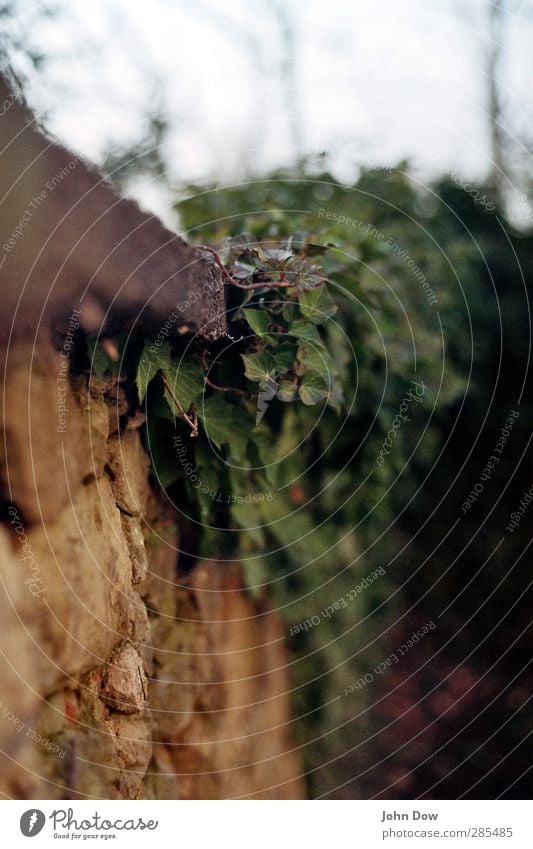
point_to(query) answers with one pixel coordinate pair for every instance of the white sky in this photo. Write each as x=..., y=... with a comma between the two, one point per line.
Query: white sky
x=377, y=81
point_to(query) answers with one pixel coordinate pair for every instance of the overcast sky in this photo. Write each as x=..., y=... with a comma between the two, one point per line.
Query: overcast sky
x=364, y=80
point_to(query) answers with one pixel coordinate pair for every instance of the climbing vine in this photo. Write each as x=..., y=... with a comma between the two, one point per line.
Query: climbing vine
x=279, y=309
x=215, y=410
x=259, y=439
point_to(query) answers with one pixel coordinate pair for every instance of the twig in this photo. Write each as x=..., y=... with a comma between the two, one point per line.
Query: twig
x=281, y=283
x=240, y=392
x=193, y=423
x=210, y=383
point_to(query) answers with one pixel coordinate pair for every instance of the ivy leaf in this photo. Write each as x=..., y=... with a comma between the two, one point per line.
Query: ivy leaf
x=315, y=360
x=149, y=365
x=316, y=305
x=306, y=330
x=258, y=366
x=312, y=389
x=276, y=256
x=186, y=379
x=291, y=311
x=310, y=281
x=258, y=321
x=217, y=419
x=284, y=357
x=287, y=391
x=242, y=270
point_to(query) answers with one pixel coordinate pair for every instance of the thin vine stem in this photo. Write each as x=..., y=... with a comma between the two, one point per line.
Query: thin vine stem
x=241, y=392
x=281, y=283
x=192, y=422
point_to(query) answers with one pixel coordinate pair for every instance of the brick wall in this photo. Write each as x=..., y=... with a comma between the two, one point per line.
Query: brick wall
x=117, y=679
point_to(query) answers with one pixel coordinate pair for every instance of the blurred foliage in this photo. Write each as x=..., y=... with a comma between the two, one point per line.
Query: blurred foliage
x=347, y=509
x=431, y=287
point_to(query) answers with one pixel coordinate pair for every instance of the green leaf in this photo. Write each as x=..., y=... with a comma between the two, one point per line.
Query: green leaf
x=217, y=419
x=287, y=391
x=306, y=330
x=316, y=360
x=312, y=389
x=258, y=366
x=316, y=304
x=186, y=379
x=284, y=357
x=258, y=321
x=149, y=364
x=291, y=311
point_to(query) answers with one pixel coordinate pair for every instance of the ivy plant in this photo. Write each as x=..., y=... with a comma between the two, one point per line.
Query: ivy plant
x=279, y=307
x=212, y=408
